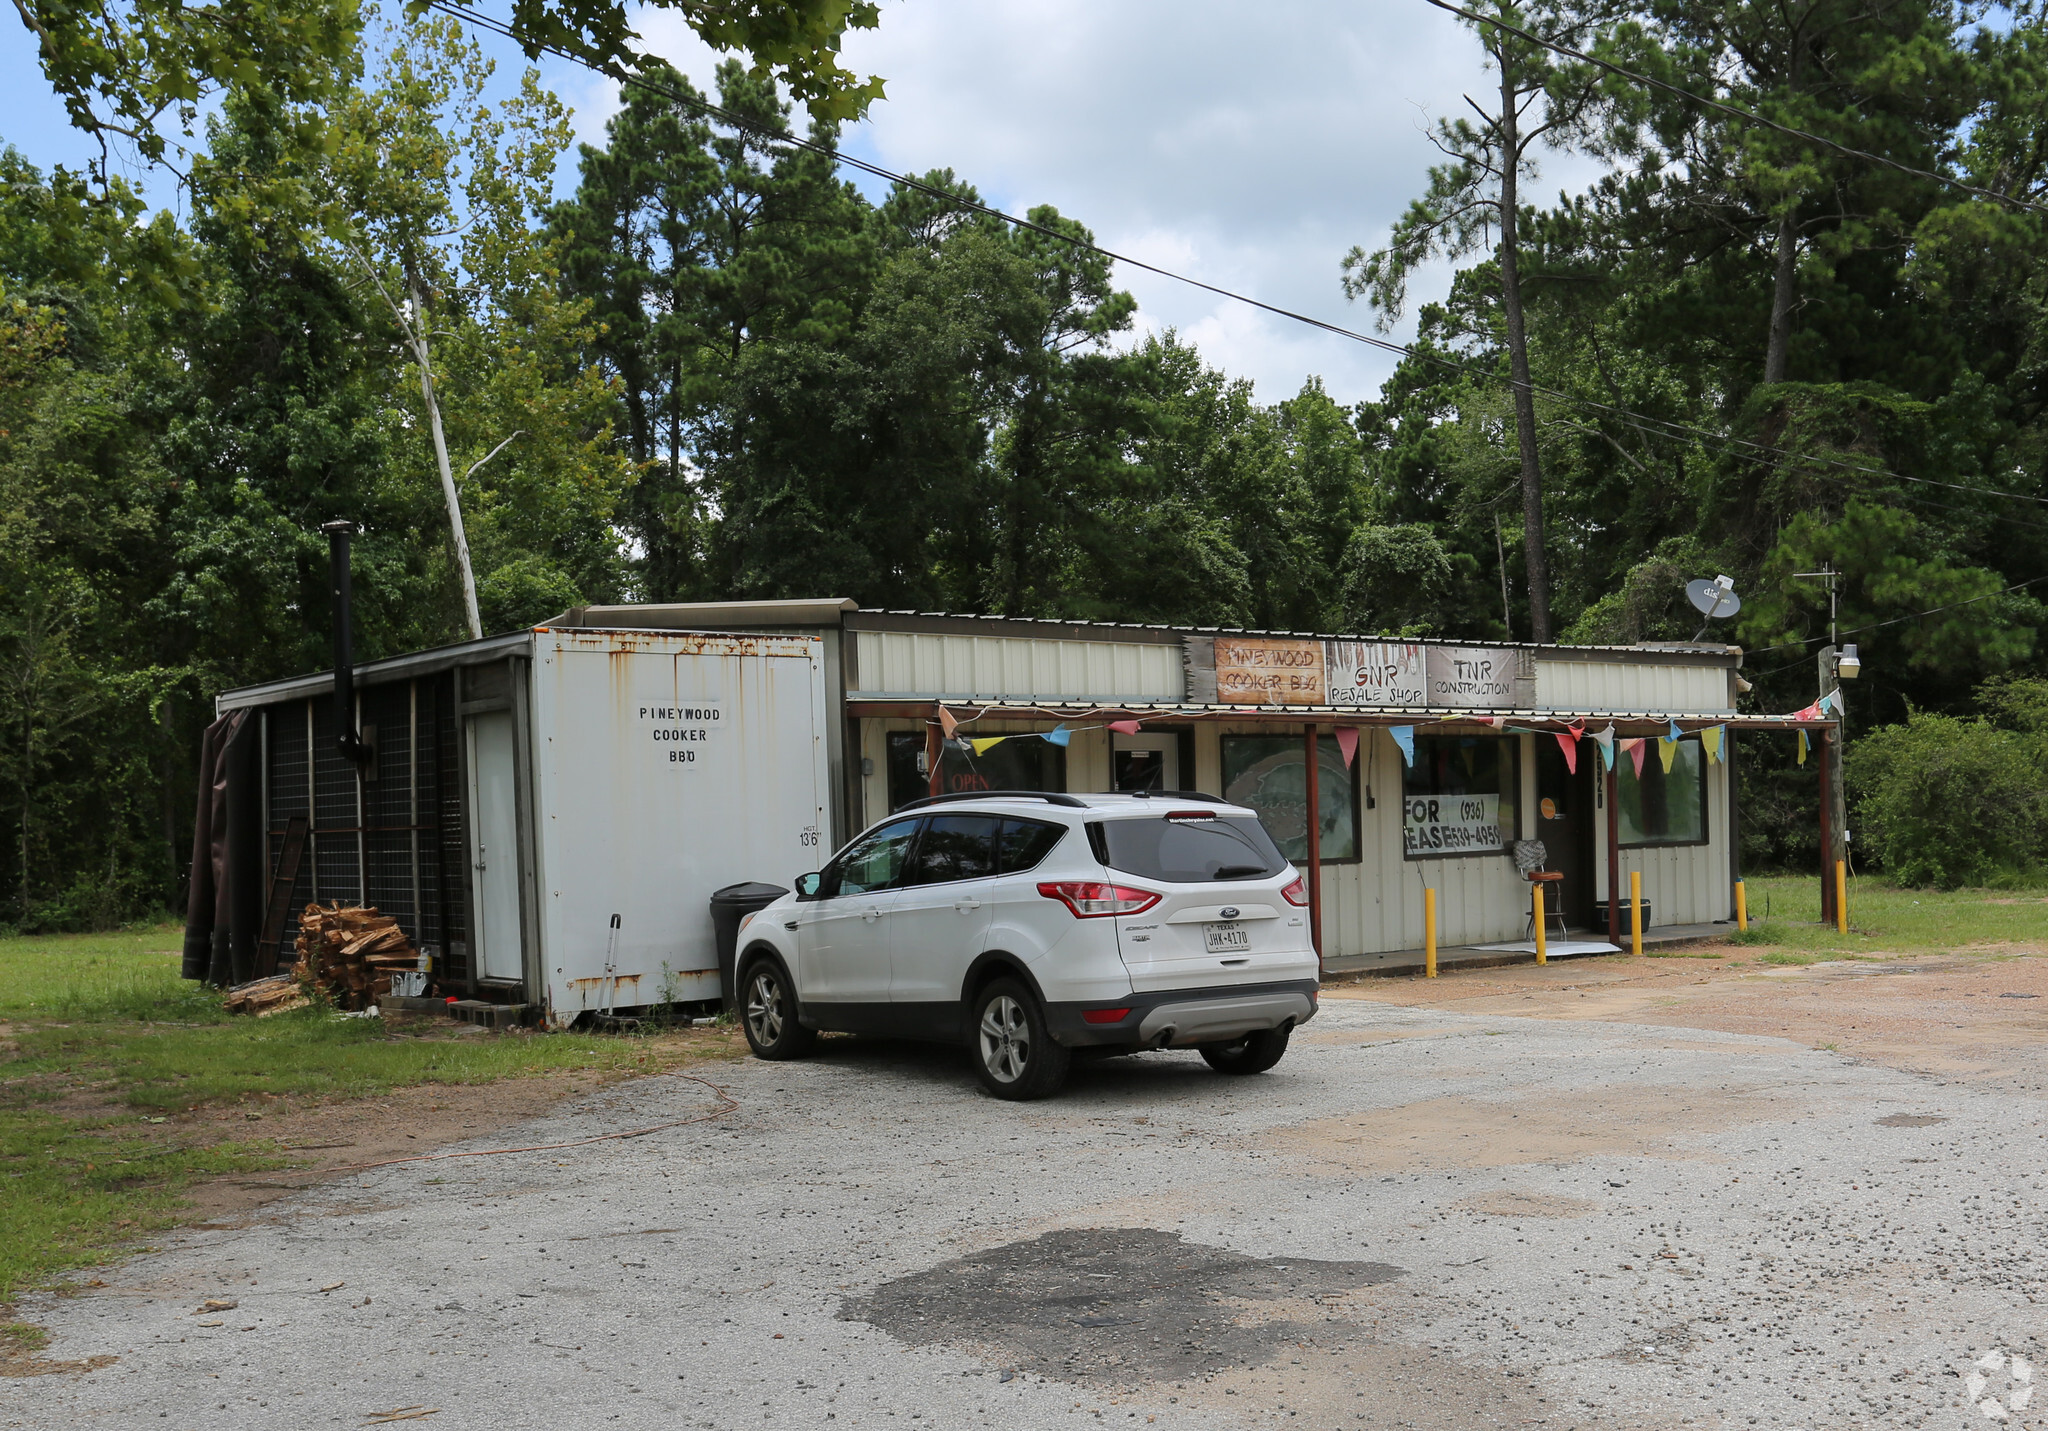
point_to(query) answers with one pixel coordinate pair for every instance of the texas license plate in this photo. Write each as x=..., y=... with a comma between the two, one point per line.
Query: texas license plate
x=1228, y=938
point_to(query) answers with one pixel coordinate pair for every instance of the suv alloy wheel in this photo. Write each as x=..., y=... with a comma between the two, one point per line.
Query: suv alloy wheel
x=768, y=1010
x=1014, y=1055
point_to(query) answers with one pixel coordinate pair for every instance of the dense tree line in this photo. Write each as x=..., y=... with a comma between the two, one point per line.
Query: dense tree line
x=715, y=369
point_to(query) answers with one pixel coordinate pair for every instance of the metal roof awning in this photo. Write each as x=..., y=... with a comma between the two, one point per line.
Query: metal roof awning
x=964, y=708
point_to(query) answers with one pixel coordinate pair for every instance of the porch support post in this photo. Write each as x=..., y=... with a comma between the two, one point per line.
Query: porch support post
x=933, y=750
x=1822, y=749
x=1315, y=841
x=1613, y=778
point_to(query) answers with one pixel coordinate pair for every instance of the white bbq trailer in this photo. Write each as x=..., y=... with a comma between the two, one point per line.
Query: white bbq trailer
x=547, y=813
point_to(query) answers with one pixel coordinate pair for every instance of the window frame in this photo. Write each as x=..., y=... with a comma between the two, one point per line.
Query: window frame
x=1512, y=745
x=893, y=740
x=923, y=834
x=1351, y=774
x=833, y=866
x=1706, y=836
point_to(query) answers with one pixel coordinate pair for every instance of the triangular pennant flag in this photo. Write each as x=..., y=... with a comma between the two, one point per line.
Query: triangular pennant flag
x=983, y=744
x=1495, y=721
x=1802, y=747
x=1347, y=743
x=1404, y=736
x=1667, y=750
x=1710, y=741
x=1676, y=733
x=1570, y=747
x=1811, y=712
x=1577, y=730
x=1605, y=740
x=1058, y=735
x=1634, y=747
x=1125, y=727
x=947, y=723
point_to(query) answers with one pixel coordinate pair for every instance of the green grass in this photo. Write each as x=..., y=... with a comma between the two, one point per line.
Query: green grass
x=1887, y=920
x=107, y=1048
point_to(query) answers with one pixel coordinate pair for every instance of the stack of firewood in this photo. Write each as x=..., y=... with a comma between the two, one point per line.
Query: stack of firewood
x=351, y=953
x=266, y=996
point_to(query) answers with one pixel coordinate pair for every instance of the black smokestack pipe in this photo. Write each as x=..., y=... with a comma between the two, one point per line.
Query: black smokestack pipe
x=343, y=601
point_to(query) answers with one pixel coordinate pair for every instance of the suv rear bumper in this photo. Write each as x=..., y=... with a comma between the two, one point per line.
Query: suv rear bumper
x=1185, y=1017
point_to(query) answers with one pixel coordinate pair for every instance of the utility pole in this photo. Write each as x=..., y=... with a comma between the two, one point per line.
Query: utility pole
x=1836, y=664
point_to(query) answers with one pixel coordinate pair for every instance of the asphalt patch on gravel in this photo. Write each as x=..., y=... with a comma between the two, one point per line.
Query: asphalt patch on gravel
x=1095, y=1304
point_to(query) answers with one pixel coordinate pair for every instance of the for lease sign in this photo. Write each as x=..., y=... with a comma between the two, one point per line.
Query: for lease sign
x=1450, y=824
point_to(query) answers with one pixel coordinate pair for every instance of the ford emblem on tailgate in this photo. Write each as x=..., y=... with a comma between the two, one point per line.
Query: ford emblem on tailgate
x=1228, y=911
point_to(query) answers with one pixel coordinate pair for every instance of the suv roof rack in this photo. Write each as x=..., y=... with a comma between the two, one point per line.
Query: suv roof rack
x=1195, y=795
x=1049, y=797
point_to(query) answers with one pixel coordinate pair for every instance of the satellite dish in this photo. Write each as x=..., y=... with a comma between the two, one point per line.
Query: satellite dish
x=1715, y=599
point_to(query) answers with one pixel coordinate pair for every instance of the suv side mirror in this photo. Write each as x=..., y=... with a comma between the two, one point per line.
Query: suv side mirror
x=807, y=886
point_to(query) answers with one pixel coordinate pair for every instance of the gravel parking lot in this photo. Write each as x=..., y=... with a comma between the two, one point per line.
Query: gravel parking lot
x=1426, y=1217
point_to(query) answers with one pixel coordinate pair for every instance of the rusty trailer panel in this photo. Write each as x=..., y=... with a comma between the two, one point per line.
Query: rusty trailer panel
x=666, y=765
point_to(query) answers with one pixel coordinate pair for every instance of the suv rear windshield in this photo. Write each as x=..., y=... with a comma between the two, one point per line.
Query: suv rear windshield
x=1221, y=847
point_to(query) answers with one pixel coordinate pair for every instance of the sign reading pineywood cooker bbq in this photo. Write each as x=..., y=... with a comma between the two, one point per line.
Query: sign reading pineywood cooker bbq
x=1269, y=671
x=1293, y=671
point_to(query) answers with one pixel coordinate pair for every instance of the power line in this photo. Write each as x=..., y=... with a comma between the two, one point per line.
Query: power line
x=1746, y=116
x=1663, y=427
x=1894, y=621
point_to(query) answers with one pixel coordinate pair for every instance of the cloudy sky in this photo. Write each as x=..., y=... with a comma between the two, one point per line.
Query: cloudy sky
x=1247, y=145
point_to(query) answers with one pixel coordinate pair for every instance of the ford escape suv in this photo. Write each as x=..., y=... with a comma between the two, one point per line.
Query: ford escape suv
x=1029, y=927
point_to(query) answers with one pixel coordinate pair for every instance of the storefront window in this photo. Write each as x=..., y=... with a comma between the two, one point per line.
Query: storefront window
x=1264, y=772
x=1660, y=807
x=1013, y=765
x=1459, y=797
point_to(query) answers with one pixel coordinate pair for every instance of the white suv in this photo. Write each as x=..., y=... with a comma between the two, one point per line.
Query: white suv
x=1032, y=926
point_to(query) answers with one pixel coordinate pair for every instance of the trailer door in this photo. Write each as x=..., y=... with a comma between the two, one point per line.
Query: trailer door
x=494, y=845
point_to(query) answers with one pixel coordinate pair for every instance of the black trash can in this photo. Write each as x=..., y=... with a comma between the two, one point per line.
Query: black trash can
x=1623, y=930
x=728, y=907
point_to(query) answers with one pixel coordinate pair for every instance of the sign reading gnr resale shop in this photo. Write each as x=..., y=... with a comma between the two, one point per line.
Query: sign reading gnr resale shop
x=1450, y=824
x=1297, y=671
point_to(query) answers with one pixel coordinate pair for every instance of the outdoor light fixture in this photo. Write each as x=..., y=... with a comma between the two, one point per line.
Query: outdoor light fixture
x=1847, y=665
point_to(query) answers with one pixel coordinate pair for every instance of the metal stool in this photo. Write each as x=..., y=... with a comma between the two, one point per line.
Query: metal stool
x=1530, y=857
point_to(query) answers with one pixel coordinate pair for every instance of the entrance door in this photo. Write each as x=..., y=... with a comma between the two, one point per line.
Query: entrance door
x=494, y=847
x=1144, y=762
x=1564, y=822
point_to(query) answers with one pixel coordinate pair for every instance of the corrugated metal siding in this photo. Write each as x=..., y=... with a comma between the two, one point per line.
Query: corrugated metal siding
x=391, y=808
x=904, y=662
x=1685, y=884
x=1630, y=686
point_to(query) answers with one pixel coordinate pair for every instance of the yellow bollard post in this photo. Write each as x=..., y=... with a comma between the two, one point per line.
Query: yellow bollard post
x=1842, y=896
x=1741, y=907
x=1542, y=948
x=1428, y=933
x=1635, y=912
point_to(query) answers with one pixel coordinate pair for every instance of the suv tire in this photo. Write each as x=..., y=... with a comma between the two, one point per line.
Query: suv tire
x=1014, y=1054
x=768, y=1012
x=1254, y=1053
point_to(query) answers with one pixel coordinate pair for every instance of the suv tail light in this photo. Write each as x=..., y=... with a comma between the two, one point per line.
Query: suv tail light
x=1296, y=893
x=1089, y=899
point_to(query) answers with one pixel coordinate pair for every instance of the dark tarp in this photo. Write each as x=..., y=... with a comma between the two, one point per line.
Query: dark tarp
x=225, y=914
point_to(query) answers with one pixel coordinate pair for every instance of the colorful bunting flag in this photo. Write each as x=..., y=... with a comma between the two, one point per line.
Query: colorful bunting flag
x=1570, y=746
x=1802, y=747
x=1667, y=750
x=1404, y=736
x=1125, y=727
x=1710, y=740
x=1058, y=735
x=1634, y=746
x=1676, y=734
x=947, y=722
x=1347, y=743
x=1605, y=740
x=983, y=744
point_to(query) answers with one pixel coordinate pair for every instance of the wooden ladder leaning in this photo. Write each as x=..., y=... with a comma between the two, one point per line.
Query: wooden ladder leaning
x=282, y=881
